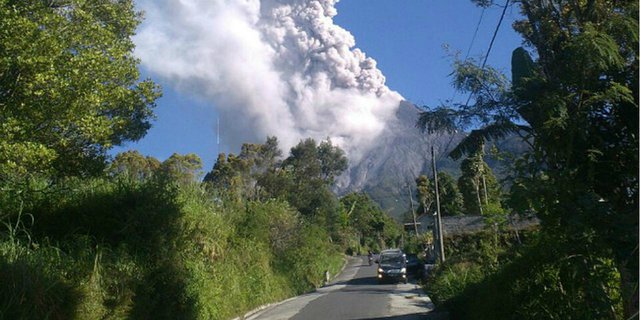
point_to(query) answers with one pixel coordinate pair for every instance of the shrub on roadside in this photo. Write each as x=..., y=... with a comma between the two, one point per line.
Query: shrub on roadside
x=122, y=248
x=449, y=280
x=570, y=281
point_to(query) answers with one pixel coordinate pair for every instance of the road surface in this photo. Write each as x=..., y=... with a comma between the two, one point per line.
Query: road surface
x=355, y=294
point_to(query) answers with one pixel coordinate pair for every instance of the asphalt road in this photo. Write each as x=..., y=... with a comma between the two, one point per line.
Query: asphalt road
x=355, y=294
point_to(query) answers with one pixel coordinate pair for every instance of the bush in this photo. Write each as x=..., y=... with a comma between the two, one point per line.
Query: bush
x=33, y=286
x=449, y=280
x=568, y=280
x=114, y=249
x=306, y=262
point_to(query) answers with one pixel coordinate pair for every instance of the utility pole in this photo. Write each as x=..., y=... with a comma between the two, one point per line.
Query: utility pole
x=413, y=211
x=484, y=186
x=439, y=218
x=484, y=181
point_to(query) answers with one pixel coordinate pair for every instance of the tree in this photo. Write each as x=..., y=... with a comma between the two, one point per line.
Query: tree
x=69, y=85
x=258, y=162
x=580, y=98
x=478, y=185
x=363, y=217
x=316, y=162
x=451, y=203
x=268, y=156
x=134, y=165
x=425, y=194
x=575, y=102
x=223, y=174
x=312, y=168
x=182, y=168
x=246, y=173
x=332, y=161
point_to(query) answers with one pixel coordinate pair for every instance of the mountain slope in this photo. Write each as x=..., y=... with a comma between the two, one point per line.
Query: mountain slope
x=402, y=154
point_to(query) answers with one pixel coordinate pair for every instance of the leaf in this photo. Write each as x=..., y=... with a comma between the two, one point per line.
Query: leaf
x=438, y=120
x=477, y=138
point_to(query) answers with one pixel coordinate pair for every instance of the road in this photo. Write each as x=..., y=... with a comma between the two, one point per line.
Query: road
x=355, y=294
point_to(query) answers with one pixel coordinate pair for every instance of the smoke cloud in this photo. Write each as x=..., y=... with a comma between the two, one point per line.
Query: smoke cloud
x=270, y=67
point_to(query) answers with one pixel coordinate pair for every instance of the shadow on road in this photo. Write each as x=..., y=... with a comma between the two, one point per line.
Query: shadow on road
x=362, y=281
x=414, y=316
x=367, y=286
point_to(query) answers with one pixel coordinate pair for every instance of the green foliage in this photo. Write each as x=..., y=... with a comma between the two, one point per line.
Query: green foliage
x=576, y=105
x=425, y=194
x=450, y=280
x=228, y=174
x=478, y=185
x=253, y=174
x=33, y=287
x=303, y=179
x=451, y=201
x=416, y=244
x=311, y=168
x=582, y=105
x=364, y=226
x=76, y=280
x=316, y=162
x=134, y=165
x=181, y=168
x=310, y=258
x=544, y=280
x=70, y=87
x=145, y=241
x=138, y=248
x=273, y=223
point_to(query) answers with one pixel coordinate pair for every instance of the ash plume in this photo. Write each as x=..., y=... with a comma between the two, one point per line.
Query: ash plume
x=270, y=67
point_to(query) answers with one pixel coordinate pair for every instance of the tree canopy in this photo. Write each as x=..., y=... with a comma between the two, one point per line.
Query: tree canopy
x=134, y=165
x=69, y=87
x=573, y=97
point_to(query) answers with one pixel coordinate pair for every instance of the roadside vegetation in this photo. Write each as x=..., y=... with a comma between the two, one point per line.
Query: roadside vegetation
x=573, y=99
x=147, y=239
x=120, y=248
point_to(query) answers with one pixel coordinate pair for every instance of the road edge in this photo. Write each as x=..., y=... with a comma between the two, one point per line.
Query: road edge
x=345, y=262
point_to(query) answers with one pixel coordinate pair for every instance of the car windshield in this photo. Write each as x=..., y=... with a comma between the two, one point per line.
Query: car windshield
x=395, y=259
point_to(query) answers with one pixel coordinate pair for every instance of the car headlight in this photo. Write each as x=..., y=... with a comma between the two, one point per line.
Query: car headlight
x=380, y=270
x=403, y=270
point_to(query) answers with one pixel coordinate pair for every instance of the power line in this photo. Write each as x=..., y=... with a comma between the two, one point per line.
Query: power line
x=495, y=33
x=486, y=57
x=475, y=33
x=473, y=40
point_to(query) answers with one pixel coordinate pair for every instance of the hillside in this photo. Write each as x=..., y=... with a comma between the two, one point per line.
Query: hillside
x=402, y=154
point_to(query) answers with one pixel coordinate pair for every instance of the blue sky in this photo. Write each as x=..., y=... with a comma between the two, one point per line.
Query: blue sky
x=405, y=37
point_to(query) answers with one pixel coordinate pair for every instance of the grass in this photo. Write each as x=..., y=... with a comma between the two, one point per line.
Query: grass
x=549, y=277
x=116, y=249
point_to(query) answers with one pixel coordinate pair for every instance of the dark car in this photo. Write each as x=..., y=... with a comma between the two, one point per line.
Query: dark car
x=414, y=265
x=392, y=265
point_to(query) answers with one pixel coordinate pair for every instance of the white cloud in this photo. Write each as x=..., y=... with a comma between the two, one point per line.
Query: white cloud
x=271, y=67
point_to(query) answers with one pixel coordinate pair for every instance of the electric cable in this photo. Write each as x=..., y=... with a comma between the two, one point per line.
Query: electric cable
x=495, y=33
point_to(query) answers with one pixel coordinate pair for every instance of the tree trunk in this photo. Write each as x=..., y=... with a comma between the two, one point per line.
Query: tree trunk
x=477, y=185
x=629, y=288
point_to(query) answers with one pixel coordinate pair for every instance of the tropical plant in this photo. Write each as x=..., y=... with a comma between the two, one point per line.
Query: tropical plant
x=573, y=98
x=70, y=88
